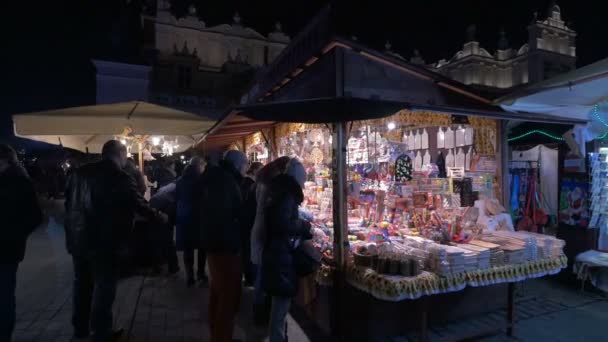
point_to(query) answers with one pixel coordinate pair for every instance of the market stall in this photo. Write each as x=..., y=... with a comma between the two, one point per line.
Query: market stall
x=405, y=176
x=579, y=94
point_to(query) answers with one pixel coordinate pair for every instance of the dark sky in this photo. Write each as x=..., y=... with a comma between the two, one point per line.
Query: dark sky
x=50, y=43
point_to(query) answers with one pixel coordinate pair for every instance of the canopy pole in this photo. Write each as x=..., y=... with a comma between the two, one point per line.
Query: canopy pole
x=340, y=222
x=140, y=157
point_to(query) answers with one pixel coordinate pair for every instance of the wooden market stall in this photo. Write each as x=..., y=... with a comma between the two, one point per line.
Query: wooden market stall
x=326, y=95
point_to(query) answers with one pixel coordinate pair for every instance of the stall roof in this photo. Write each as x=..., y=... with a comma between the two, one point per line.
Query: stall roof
x=323, y=77
x=571, y=95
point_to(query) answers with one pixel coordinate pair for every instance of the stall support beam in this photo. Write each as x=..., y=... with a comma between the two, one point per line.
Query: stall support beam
x=339, y=191
x=504, y=151
x=340, y=222
x=510, y=309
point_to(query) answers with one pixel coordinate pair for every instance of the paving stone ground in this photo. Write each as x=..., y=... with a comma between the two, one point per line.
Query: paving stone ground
x=158, y=308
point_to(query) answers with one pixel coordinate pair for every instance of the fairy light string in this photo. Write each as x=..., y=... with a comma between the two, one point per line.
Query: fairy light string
x=536, y=131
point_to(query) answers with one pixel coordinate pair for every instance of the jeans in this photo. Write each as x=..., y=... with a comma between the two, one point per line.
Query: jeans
x=189, y=263
x=224, y=294
x=8, y=283
x=95, y=284
x=278, y=316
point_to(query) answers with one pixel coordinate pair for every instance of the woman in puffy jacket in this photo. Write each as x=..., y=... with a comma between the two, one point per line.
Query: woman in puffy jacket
x=284, y=231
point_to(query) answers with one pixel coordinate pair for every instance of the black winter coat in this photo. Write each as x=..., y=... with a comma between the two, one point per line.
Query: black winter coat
x=20, y=213
x=219, y=202
x=284, y=229
x=101, y=202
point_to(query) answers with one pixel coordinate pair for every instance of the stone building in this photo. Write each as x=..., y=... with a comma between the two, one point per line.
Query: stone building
x=550, y=50
x=190, y=66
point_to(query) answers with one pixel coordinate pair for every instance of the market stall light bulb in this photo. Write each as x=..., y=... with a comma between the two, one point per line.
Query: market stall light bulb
x=182, y=157
x=123, y=141
x=155, y=141
x=391, y=125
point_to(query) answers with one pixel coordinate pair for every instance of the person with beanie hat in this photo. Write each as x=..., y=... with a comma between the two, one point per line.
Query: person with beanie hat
x=284, y=231
x=220, y=206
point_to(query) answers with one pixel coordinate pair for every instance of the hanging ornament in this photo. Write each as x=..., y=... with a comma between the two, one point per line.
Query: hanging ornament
x=424, y=139
x=440, y=138
x=403, y=168
x=449, y=138
x=469, y=133
x=316, y=156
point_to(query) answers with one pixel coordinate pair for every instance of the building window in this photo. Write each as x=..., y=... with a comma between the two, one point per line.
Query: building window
x=184, y=77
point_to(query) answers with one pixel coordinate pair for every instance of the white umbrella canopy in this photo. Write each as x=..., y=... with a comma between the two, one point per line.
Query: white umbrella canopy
x=87, y=128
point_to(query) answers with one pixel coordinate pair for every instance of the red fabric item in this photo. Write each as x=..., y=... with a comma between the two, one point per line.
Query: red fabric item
x=224, y=294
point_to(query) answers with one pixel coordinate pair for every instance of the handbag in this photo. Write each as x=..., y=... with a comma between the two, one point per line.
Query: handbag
x=306, y=258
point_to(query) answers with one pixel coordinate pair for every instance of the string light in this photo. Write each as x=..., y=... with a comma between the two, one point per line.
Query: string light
x=596, y=113
x=536, y=131
x=602, y=136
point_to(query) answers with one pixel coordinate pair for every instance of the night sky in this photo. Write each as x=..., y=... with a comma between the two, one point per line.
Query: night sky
x=49, y=43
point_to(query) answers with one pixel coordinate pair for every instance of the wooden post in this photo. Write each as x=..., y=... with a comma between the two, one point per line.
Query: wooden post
x=140, y=157
x=340, y=221
x=510, y=309
x=424, y=309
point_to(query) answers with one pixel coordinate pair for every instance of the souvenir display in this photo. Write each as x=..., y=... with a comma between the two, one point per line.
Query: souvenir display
x=413, y=228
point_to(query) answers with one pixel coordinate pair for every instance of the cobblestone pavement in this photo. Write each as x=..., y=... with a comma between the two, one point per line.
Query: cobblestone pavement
x=163, y=309
x=149, y=308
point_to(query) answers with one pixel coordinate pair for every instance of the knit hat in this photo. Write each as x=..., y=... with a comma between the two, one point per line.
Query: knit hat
x=237, y=159
x=296, y=170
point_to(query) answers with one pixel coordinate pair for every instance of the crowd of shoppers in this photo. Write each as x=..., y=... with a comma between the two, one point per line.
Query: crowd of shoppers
x=240, y=219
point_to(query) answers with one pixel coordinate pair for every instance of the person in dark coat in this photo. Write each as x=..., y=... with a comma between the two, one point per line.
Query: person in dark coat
x=166, y=173
x=187, y=229
x=101, y=202
x=248, y=189
x=138, y=177
x=165, y=201
x=21, y=214
x=220, y=203
x=285, y=230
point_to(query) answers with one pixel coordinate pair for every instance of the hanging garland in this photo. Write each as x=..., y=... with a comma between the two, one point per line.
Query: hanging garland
x=536, y=131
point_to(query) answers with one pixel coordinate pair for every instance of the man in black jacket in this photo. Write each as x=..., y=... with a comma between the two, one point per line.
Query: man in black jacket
x=21, y=214
x=220, y=205
x=101, y=201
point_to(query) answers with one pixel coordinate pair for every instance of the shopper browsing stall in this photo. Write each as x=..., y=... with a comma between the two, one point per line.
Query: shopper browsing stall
x=220, y=203
x=285, y=230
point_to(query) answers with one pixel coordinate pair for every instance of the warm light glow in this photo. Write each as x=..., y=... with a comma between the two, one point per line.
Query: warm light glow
x=441, y=135
x=182, y=157
x=155, y=141
x=123, y=141
x=391, y=126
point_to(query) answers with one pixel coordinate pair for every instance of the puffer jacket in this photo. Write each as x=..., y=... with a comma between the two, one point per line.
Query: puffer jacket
x=219, y=202
x=20, y=212
x=284, y=230
x=101, y=202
